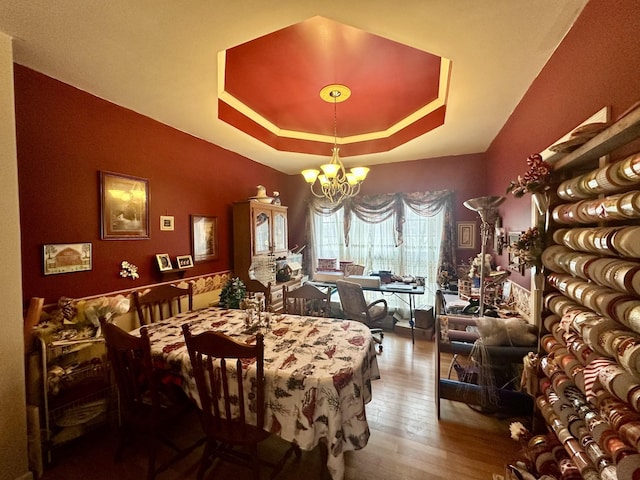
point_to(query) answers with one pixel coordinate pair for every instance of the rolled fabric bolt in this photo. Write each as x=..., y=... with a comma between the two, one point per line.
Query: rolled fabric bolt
x=629, y=355
x=600, y=430
x=617, y=381
x=594, y=328
x=549, y=343
x=591, y=372
x=550, y=320
x=568, y=470
x=583, y=317
x=630, y=433
x=629, y=467
x=634, y=399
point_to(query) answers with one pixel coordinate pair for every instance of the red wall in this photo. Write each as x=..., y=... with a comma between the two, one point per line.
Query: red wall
x=465, y=174
x=66, y=136
x=597, y=64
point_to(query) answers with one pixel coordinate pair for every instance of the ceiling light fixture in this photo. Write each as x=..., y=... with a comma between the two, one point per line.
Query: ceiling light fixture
x=335, y=182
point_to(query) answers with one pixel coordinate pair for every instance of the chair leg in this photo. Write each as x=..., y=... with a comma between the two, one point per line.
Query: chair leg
x=206, y=462
x=255, y=462
x=151, y=467
x=324, y=458
x=122, y=437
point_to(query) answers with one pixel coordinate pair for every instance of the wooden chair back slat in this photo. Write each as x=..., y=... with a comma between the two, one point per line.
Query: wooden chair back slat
x=219, y=358
x=307, y=300
x=153, y=304
x=255, y=286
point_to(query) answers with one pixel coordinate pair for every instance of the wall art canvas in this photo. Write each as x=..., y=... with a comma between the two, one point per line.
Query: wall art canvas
x=66, y=257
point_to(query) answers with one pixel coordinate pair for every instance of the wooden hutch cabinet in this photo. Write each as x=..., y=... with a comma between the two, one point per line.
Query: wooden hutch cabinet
x=260, y=236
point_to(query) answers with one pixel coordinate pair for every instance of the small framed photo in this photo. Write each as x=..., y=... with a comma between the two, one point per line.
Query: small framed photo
x=164, y=262
x=467, y=235
x=184, y=261
x=124, y=207
x=204, y=237
x=66, y=257
x=166, y=223
x=514, y=262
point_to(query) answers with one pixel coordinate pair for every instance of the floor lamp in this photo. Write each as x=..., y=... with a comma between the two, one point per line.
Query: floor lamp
x=486, y=208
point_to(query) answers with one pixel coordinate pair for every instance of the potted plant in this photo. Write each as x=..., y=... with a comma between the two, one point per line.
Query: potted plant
x=232, y=293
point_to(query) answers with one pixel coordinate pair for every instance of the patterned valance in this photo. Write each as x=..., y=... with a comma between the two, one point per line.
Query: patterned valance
x=378, y=208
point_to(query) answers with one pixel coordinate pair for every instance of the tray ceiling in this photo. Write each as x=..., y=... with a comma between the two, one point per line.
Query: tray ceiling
x=246, y=75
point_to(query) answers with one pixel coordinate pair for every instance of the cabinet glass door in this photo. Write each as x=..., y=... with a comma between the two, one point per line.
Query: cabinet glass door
x=262, y=230
x=279, y=231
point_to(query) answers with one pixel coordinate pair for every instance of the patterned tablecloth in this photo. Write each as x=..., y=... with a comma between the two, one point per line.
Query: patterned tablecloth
x=318, y=374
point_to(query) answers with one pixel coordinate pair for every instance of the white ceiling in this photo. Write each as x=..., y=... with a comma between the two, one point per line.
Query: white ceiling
x=159, y=57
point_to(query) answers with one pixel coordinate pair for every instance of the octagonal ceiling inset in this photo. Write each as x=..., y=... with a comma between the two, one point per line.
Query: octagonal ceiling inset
x=269, y=88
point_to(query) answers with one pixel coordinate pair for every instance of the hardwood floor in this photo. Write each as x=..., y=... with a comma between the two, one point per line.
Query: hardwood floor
x=407, y=442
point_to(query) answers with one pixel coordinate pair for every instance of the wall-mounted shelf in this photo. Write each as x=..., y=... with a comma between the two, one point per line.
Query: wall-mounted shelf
x=173, y=274
x=620, y=133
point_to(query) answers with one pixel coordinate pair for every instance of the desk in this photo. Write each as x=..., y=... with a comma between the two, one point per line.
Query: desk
x=318, y=374
x=395, y=288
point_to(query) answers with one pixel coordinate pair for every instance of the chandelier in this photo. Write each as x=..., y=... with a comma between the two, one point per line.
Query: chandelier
x=335, y=182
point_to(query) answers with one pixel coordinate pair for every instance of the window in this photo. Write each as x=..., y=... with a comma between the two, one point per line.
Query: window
x=373, y=245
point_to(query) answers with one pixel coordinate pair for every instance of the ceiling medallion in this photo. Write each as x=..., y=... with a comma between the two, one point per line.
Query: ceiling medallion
x=335, y=182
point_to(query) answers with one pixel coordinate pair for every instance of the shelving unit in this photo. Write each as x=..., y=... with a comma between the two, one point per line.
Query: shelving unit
x=77, y=394
x=589, y=286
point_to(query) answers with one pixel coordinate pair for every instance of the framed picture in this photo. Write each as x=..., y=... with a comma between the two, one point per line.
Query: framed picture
x=66, y=257
x=124, y=207
x=166, y=223
x=514, y=263
x=164, y=262
x=184, y=261
x=204, y=238
x=467, y=235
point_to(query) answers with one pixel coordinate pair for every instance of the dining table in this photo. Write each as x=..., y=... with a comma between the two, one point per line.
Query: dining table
x=318, y=373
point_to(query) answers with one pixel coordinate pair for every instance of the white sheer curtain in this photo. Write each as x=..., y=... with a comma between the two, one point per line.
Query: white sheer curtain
x=374, y=246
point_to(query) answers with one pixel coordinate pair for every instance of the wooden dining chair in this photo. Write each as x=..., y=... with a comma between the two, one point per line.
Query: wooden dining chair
x=149, y=408
x=219, y=366
x=31, y=319
x=162, y=302
x=355, y=307
x=307, y=300
x=256, y=286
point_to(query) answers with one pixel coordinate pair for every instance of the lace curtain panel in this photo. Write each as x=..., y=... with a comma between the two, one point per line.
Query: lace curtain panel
x=409, y=234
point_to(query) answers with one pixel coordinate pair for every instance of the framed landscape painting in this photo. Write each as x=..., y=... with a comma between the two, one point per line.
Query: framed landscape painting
x=204, y=237
x=124, y=207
